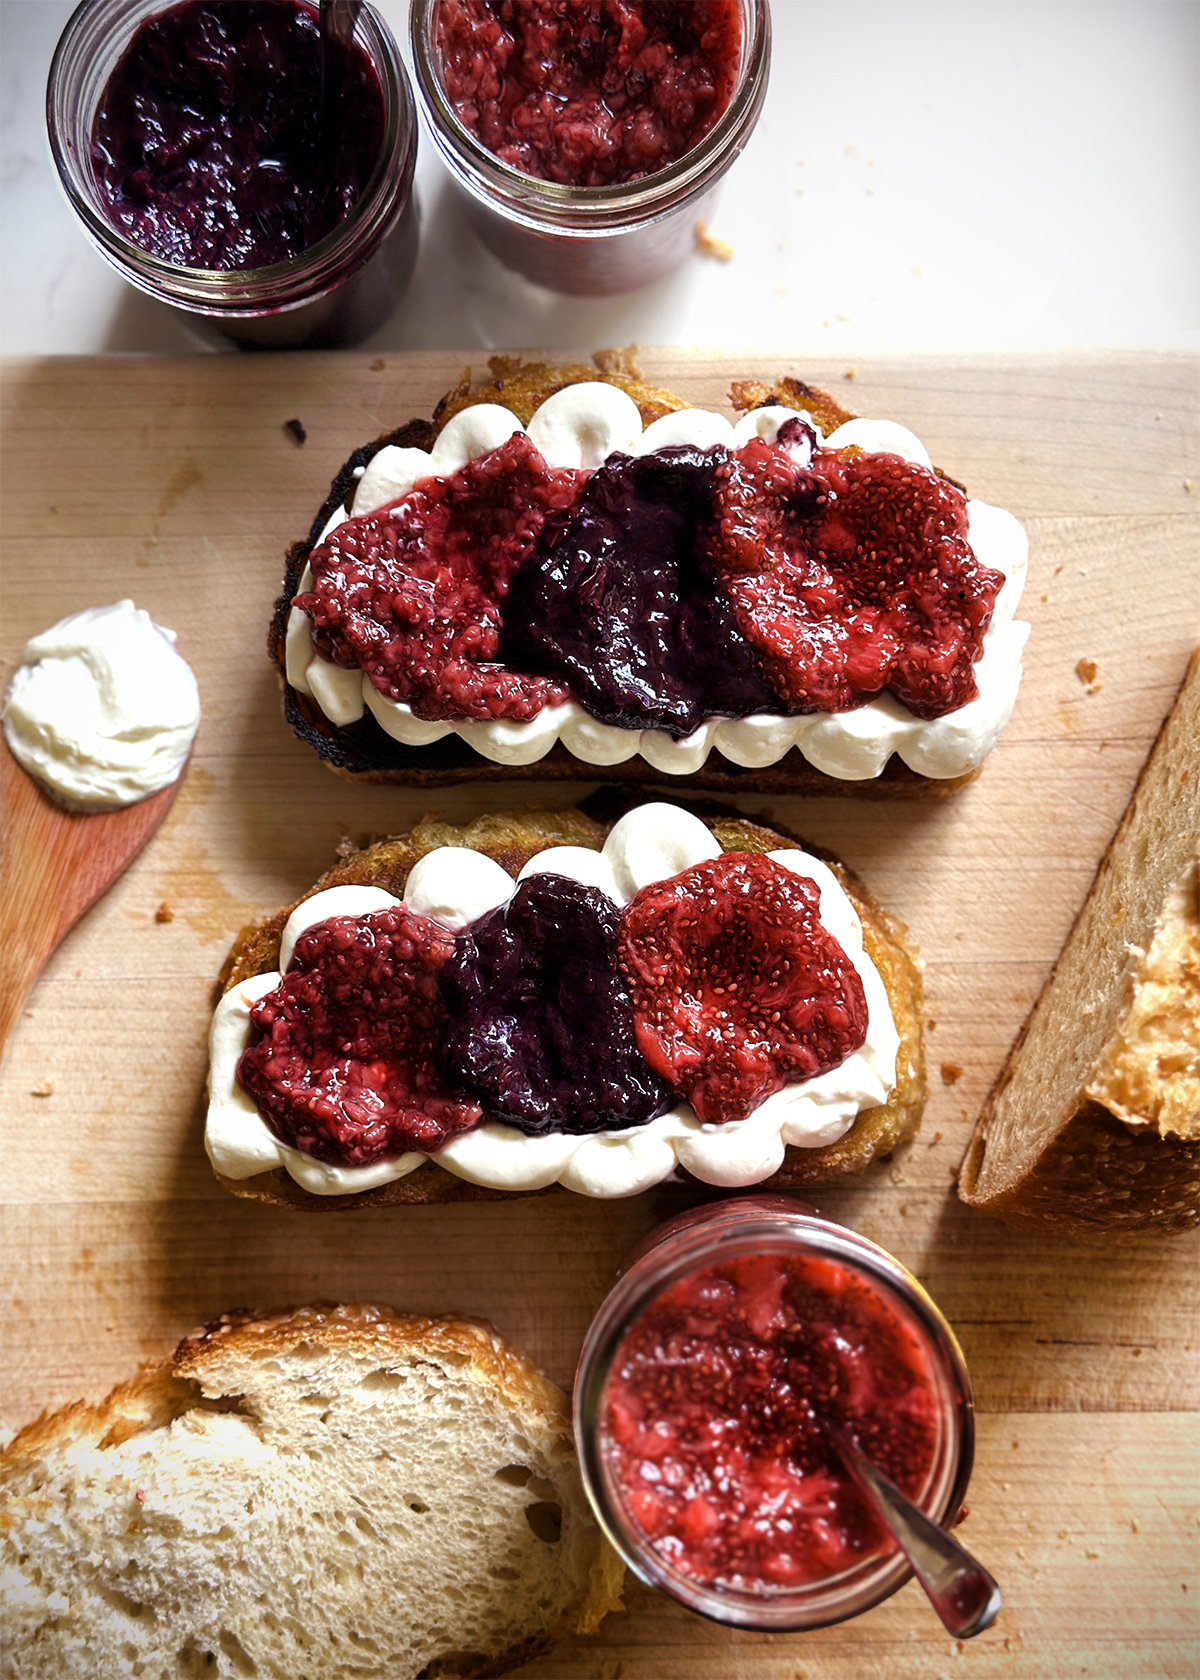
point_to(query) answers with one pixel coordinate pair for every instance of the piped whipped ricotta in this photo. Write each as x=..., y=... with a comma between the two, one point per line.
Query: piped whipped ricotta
x=581, y=426
x=455, y=885
x=103, y=710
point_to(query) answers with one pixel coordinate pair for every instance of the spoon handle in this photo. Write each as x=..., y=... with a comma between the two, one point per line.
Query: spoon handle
x=960, y=1589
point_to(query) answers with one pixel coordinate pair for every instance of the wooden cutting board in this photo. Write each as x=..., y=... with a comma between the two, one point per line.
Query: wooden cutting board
x=175, y=482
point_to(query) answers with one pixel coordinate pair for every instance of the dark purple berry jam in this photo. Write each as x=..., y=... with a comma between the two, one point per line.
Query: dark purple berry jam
x=589, y=92
x=541, y=1023
x=212, y=145
x=619, y=604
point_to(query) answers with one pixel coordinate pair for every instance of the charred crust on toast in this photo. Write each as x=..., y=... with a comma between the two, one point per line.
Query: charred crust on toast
x=365, y=752
x=511, y=839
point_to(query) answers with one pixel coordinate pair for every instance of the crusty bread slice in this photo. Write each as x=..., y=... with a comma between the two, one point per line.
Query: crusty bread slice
x=328, y=1492
x=512, y=838
x=363, y=752
x=1094, y=1122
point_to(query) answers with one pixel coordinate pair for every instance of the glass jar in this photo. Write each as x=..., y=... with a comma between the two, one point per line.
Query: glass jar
x=590, y=241
x=334, y=293
x=766, y=1228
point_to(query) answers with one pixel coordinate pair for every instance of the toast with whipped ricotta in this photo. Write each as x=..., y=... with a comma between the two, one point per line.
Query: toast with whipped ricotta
x=567, y=570
x=601, y=1000
x=322, y=1492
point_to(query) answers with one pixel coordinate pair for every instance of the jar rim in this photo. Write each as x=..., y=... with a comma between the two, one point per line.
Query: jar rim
x=589, y=212
x=695, y=1248
x=290, y=284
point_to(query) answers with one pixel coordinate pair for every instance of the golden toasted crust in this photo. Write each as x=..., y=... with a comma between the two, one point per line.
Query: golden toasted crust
x=524, y=386
x=363, y=752
x=512, y=839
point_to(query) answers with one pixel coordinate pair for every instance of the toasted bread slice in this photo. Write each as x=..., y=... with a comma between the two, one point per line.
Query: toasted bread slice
x=304, y=1492
x=1094, y=1121
x=511, y=839
x=362, y=751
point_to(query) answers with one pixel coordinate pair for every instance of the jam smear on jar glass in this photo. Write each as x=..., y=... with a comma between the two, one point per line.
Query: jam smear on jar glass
x=711, y=1419
x=411, y=593
x=738, y=989
x=618, y=602
x=212, y=147
x=588, y=93
x=852, y=575
x=343, y=1060
x=542, y=1025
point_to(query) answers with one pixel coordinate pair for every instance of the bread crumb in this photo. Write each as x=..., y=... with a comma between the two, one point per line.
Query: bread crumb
x=1091, y=1554
x=1016, y=1445
x=1187, y=485
x=378, y=365
x=936, y=1138
x=849, y=373
x=1063, y=1534
x=897, y=1177
x=1087, y=672
x=930, y=1025
x=295, y=431
x=904, y=1210
x=951, y=1072
x=710, y=245
x=45, y=1089
x=1135, y=1525
x=1020, y=1551
x=164, y=913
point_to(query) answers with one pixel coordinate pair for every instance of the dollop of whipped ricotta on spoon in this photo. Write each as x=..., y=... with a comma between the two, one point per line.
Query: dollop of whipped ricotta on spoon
x=102, y=711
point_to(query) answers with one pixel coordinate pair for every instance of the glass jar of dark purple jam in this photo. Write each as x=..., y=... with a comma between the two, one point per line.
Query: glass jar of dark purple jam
x=732, y=1333
x=606, y=172
x=194, y=145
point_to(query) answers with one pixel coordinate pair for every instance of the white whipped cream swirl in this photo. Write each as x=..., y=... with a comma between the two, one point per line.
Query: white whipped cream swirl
x=581, y=426
x=455, y=885
x=103, y=711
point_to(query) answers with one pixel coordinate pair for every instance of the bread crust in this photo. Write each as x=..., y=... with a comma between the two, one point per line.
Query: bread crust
x=364, y=752
x=1096, y=1172
x=191, y=1377
x=511, y=839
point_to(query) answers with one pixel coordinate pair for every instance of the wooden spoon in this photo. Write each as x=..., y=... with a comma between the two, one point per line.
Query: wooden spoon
x=54, y=865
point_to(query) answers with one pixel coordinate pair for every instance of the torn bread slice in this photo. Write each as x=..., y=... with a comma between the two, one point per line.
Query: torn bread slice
x=1094, y=1122
x=323, y=1492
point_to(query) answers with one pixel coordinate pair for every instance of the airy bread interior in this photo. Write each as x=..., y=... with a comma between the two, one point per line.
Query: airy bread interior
x=334, y=1492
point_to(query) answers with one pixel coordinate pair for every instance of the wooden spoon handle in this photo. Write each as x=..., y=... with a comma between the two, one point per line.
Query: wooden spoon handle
x=55, y=864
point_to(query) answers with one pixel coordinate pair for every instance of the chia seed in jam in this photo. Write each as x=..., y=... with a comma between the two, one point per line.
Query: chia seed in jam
x=737, y=987
x=211, y=146
x=710, y=1420
x=851, y=576
x=411, y=593
x=343, y=1061
x=542, y=1026
x=588, y=93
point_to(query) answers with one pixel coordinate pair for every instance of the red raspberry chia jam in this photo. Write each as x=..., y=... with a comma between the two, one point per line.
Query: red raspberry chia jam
x=734, y=1331
x=588, y=93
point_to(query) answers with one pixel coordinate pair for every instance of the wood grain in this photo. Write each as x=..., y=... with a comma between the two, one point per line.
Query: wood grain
x=174, y=482
x=55, y=864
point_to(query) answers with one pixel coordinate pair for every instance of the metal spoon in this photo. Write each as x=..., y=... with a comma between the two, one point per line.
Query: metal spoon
x=960, y=1589
x=337, y=20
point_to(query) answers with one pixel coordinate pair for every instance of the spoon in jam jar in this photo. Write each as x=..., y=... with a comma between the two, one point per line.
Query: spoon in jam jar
x=958, y=1586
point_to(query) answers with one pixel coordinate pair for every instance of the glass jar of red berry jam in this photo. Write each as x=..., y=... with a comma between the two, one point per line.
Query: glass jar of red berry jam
x=586, y=138
x=223, y=168
x=733, y=1335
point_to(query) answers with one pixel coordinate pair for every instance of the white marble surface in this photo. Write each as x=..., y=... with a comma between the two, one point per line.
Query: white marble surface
x=938, y=175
